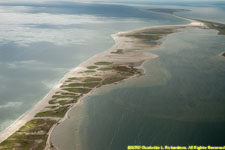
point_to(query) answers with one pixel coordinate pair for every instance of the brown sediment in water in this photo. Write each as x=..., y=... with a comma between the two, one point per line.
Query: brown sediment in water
x=223, y=54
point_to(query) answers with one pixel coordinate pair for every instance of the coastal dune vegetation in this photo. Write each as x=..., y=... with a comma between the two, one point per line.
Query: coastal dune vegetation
x=32, y=135
x=216, y=26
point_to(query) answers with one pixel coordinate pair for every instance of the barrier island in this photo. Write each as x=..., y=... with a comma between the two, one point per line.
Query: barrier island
x=115, y=65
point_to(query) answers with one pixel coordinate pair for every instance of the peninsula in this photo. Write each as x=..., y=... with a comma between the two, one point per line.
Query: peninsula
x=117, y=64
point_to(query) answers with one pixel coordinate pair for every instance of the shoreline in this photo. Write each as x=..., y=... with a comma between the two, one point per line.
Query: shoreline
x=192, y=23
x=119, y=41
x=222, y=54
x=44, y=101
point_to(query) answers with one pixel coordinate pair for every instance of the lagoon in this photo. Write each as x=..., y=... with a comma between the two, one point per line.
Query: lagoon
x=180, y=101
x=40, y=43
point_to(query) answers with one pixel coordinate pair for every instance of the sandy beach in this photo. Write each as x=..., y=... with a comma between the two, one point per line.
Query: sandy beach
x=129, y=57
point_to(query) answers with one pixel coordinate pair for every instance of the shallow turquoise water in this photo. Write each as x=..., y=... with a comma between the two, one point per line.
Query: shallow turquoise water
x=180, y=101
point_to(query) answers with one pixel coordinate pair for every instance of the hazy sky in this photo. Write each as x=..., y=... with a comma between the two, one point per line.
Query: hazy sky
x=114, y=0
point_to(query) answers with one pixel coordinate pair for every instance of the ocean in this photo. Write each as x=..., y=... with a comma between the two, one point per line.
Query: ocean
x=41, y=42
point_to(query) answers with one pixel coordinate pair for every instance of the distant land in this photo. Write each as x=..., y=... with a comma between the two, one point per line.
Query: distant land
x=167, y=10
x=211, y=25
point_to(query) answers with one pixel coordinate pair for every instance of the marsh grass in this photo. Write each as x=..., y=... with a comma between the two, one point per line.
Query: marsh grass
x=112, y=79
x=78, y=90
x=28, y=136
x=92, y=67
x=89, y=71
x=213, y=25
x=85, y=84
x=118, y=51
x=103, y=63
x=59, y=112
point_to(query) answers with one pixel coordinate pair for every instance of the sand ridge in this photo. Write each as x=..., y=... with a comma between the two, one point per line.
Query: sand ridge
x=130, y=57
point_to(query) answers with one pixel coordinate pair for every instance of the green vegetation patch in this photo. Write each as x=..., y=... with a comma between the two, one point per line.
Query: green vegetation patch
x=36, y=125
x=126, y=70
x=83, y=84
x=146, y=37
x=157, y=31
x=213, y=25
x=78, y=90
x=123, y=68
x=68, y=94
x=103, y=63
x=89, y=71
x=150, y=34
x=85, y=79
x=118, y=51
x=66, y=102
x=33, y=135
x=91, y=79
x=52, y=101
x=113, y=79
x=72, y=79
x=63, y=102
x=52, y=107
x=92, y=67
x=64, y=96
x=167, y=10
x=59, y=112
